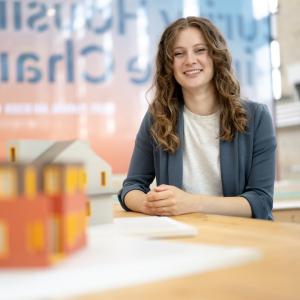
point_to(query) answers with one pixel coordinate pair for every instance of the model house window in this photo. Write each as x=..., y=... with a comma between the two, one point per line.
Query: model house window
x=52, y=181
x=35, y=236
x=55, y=235
x=8, y=183
x=71, y=184
x=88, y=208
x=82, y=179
x=30, y=182
x=72, y=228
x=3, y=240
x=103, y=178
x=81, y=222
x=12, y=154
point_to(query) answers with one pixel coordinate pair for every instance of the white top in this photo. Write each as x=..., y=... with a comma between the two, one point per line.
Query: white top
x=201, y=154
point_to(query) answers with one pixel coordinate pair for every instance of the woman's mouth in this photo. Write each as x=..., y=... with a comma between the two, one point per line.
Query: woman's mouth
x=192, y=72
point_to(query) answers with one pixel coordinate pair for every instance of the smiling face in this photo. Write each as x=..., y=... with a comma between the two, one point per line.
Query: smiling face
x=192, y=65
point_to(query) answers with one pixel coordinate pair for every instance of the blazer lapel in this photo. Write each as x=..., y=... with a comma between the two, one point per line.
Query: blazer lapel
x=229, y=160
x=175, y=168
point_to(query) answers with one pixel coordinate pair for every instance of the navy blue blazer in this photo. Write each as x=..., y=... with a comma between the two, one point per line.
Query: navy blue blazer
x=247, y=162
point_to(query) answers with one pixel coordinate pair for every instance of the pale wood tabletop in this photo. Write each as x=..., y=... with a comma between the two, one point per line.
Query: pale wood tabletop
x=275, y=276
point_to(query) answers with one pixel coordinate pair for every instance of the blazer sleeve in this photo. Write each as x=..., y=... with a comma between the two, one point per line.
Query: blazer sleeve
x=260, y=184
x=141, y=171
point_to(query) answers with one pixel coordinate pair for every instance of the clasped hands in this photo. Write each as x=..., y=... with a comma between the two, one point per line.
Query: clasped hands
x=168, y=200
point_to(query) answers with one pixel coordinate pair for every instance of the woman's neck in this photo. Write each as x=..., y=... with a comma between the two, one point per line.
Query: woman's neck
x=202, y=102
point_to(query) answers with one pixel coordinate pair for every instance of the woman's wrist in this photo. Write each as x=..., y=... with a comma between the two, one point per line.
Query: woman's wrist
x=197, y=203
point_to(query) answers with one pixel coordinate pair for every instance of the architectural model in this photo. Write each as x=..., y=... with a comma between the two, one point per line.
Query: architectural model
x=97, y=174
x=42, y=213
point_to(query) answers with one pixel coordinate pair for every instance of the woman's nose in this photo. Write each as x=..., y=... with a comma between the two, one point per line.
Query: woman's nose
x=190, y=58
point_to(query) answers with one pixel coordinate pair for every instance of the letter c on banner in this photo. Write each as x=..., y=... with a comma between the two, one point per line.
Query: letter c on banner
x=108, y=64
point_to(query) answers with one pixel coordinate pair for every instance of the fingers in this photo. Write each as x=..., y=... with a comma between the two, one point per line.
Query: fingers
x=160, y=211
x=159, y=203
x=160, y=207
x=156, y=196
x=164, y=211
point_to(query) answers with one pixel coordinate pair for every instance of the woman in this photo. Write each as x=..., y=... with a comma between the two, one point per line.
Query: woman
x=209, y=150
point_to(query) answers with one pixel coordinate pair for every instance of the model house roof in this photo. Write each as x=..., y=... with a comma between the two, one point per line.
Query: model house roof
x=26, y=150
x=73, y=150
x=53, y=151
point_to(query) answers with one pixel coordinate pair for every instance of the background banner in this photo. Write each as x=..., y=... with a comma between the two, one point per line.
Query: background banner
x=80, y=69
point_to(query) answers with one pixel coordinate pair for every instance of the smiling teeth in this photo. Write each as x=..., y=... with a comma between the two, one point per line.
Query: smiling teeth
x=192, y=72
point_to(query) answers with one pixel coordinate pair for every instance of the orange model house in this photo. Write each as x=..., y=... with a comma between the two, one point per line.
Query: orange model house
x=98, y=173
x=42, y=213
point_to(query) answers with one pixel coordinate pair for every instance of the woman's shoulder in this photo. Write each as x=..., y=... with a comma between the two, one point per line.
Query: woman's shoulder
x=258, y=115
x=147, y=119
x=146, y=124
x=251, y=105
x=255, y=109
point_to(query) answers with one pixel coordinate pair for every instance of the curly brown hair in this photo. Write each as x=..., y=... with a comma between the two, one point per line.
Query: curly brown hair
x=164, y=108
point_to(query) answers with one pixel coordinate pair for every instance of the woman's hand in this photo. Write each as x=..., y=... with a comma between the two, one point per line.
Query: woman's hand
x=168, y=200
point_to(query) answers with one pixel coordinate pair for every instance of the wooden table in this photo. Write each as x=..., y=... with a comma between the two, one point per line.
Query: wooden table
x=287, y=210
x=275, y=276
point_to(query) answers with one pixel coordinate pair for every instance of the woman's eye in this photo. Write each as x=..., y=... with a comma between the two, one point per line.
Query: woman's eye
x=178, y=54
x=200, y=50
